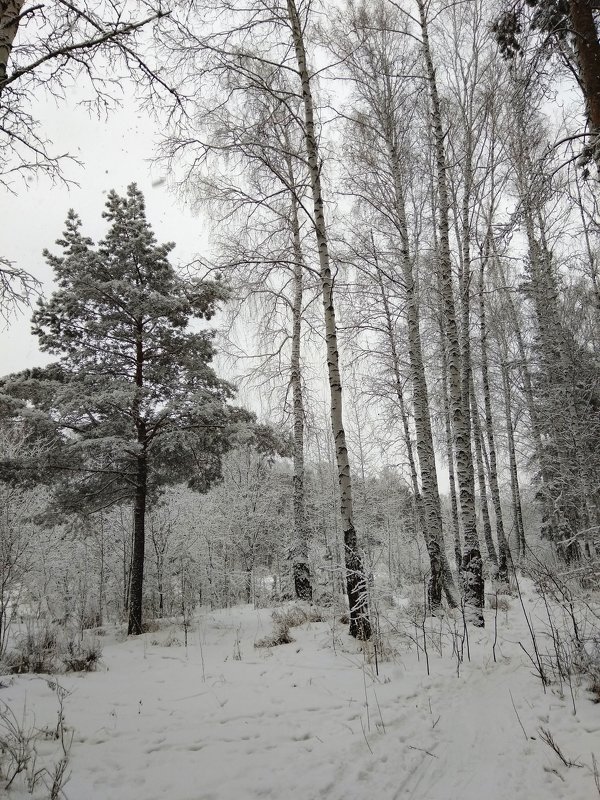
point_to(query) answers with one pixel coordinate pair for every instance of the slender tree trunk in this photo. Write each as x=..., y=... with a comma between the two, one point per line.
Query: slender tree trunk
x=483, y=496
x=503, y=548
x=137, y=561
x=440, y=573
x=512, y=456
x=301, y=567
x=471, y=567
x=430, y=525
x=101, y=575
x=356, y=584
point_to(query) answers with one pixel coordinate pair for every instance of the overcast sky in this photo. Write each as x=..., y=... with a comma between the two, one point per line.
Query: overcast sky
x=115, y=153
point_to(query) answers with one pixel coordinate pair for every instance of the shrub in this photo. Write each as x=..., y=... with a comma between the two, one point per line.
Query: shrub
x=281, y=635
x=286, y=618
x=293, y=616
x=150, y=626
x=81, y=657
x=36, y=651
x=43, y=652
x=501, y=601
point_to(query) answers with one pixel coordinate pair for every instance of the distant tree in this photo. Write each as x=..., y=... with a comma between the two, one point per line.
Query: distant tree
x=133, y=403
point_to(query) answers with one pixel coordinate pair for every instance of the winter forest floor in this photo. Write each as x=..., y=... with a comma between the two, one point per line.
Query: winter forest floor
x=224, y=720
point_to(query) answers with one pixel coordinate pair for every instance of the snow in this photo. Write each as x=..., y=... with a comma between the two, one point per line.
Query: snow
x=223, y=720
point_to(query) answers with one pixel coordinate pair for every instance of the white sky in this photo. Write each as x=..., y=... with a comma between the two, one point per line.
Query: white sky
x=114, y=153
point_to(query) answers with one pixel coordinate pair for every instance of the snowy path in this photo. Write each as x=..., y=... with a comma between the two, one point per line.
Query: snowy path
x=305, y=720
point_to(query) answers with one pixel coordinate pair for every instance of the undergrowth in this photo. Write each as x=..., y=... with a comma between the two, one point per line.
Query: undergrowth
x=286, y=618
x=47, y=652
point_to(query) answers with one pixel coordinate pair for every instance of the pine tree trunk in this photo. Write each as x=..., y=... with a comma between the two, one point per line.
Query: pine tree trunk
x=136, y=590
x=583, y=25
x=137, y=561
x=472, y=566
x=356, y=584
x=301, y=567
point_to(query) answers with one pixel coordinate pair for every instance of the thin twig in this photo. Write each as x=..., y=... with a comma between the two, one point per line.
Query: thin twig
x=517, y=713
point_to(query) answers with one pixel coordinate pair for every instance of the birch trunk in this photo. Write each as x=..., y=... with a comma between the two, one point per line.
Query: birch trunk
x=356, y=583
x=503, y=548
x=9, y=25
x=483, y=495
x=512, y=455
x=301, y=567
x=450, y=459
x=471, y=566
x=427, y=496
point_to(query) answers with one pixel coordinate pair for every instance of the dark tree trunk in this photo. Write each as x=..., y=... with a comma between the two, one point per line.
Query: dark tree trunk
x=248, y=581
x=136, y=590
x=588, y=55
x=137, y=561
x=302, y=581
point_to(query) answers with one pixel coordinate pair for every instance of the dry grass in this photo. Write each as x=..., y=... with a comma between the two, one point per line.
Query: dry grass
x=286, y=618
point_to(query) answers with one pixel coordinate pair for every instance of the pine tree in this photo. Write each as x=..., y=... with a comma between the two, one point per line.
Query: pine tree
x=133, y=400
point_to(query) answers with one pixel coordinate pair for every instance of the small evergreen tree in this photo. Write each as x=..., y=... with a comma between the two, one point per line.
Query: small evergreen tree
x=133, y=403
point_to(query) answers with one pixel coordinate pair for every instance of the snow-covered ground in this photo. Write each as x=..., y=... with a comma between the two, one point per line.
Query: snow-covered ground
x=224, y=720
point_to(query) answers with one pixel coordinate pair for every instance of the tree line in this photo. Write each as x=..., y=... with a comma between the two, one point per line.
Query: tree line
x=394, y=163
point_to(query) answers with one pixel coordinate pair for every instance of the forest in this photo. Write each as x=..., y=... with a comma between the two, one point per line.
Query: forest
x=337, y=479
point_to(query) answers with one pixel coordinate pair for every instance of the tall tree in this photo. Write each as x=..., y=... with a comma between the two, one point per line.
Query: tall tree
x=253, y=45
x=458, y=353
x=381, y=149
x=360, y=625
x=133, y=400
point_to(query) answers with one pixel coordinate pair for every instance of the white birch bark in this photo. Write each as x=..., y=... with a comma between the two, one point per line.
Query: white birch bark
x=356, y=584
x=503, y=548
x=301, y=566
x=471, y=567
x=9, y=25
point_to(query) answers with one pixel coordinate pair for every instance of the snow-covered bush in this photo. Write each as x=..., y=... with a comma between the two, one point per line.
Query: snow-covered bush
x=47, y=651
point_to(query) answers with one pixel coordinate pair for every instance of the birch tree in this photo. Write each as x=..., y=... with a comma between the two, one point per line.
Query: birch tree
x=458, y=361
x=262, y=247
x=380, y=131
x=271, y=37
